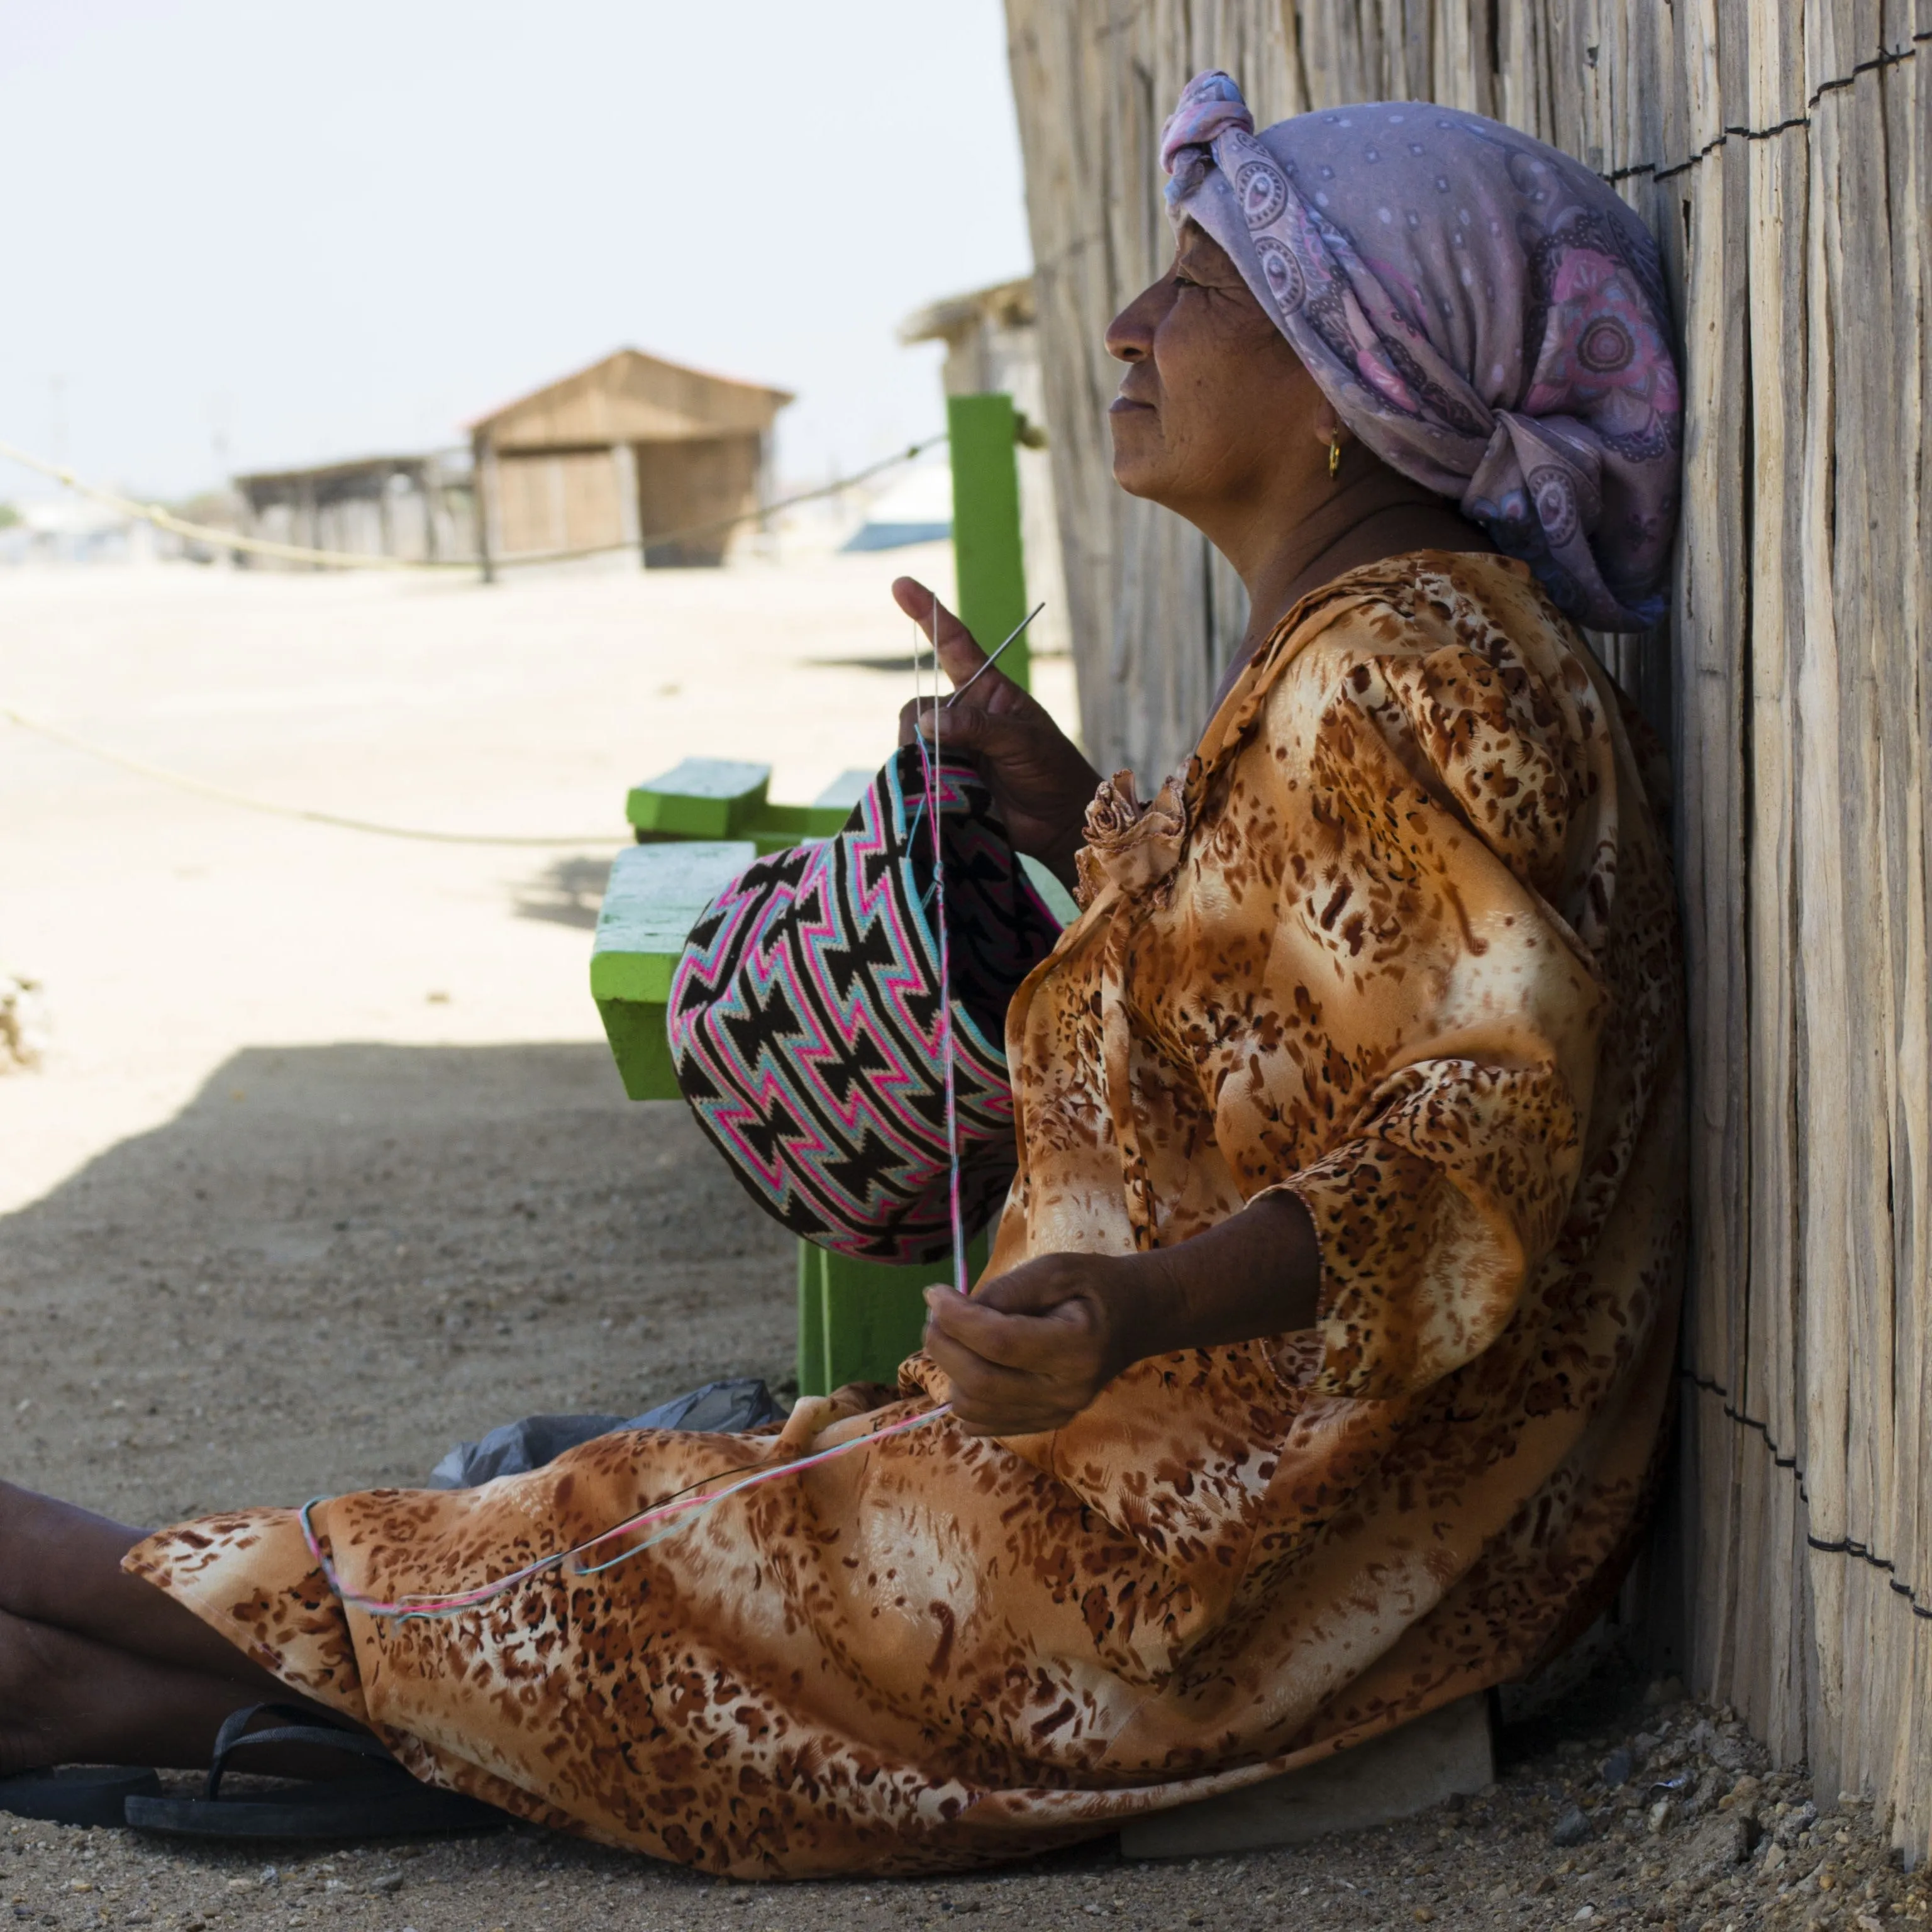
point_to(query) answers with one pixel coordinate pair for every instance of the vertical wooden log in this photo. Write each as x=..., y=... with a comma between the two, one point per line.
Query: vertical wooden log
x=1908, y=89
x=1778, y=196
x=483, y=494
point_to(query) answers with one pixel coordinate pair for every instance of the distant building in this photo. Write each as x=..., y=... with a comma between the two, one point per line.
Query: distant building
x=632, y=450
x=992, y=345
x=419, y=507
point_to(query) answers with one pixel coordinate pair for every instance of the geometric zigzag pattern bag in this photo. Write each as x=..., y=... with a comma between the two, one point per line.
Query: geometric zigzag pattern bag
x=804, y=1018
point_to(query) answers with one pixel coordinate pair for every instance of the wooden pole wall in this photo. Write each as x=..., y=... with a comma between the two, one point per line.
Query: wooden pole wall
x=1781, y=150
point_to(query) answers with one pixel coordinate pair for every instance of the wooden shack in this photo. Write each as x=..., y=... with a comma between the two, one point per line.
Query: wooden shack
x=415, y=507
x=1781, y=150
x=629, y=451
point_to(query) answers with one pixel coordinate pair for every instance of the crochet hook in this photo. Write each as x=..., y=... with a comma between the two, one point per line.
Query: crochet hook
x=995, y=658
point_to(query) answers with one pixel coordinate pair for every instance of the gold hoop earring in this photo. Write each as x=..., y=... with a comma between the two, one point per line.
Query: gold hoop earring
x=1334, y=456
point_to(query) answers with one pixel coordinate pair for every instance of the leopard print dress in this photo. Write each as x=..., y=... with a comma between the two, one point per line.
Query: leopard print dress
x=1401, y=938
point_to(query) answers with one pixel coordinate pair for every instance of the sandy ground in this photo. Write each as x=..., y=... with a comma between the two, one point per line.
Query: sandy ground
x=169, y=930
x=327, y=1167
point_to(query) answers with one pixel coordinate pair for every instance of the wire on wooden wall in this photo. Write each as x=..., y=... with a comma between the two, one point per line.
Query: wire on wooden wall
x=1781, y=150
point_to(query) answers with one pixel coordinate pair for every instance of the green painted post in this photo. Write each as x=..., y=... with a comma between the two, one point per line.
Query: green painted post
x=987, y=555
x=857, y=1320
x=811, y=1377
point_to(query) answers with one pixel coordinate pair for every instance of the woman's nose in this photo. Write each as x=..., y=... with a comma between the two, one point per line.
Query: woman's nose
x=1130, y=334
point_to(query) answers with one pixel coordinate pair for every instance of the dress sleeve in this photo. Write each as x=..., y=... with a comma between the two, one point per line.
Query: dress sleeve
x=1478, y=796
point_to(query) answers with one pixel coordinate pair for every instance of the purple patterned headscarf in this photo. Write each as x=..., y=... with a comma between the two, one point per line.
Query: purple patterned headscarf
x=1483, y=312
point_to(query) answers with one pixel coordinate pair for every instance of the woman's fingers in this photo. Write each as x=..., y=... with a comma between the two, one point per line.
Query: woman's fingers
x=984, y=1333
x=1013, y=1374
x=982, y=1384
x=959, y=655
x=1047, y=1344
x=941, y=626
x=965, y=727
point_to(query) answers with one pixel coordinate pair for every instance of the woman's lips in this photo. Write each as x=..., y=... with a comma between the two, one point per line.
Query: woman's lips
x=1121, y=405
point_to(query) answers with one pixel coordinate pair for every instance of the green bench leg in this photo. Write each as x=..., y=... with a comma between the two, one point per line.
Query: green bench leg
x=857, y=1320
x=811, y=1321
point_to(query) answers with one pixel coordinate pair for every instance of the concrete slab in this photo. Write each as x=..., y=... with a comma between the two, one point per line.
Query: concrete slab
x=1447, y=1753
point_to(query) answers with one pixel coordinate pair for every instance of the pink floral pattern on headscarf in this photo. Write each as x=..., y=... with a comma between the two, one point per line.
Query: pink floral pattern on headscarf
x=1483, y=312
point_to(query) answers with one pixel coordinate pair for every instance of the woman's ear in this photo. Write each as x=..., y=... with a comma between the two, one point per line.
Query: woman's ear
x=1326, y=424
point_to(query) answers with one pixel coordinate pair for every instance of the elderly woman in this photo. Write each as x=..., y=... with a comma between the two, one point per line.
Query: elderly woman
x=1318, y=1376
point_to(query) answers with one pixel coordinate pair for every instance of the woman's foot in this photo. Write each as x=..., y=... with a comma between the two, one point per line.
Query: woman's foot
x=61, y=1566
x=67, y=1699
x=24, y=1659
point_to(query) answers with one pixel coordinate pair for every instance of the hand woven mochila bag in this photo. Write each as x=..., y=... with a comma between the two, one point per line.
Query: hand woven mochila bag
x=805, y=1020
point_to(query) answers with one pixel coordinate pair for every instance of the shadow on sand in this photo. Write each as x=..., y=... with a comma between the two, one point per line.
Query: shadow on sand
x=336, y=1261
x=567, y=892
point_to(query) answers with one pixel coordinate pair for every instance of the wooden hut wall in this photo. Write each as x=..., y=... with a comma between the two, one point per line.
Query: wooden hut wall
x=419, y=512
x=1782, y=151
x=684, y=484
x=558, y=499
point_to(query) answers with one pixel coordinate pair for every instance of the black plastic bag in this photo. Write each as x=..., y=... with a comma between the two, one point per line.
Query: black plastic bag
x=726, y=1407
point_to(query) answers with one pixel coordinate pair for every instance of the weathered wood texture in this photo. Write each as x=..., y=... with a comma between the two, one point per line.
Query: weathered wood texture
x=1782, y=151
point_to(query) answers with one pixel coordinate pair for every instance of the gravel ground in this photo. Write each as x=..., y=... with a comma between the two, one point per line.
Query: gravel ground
x=1549, y=1845
x=338, y=1260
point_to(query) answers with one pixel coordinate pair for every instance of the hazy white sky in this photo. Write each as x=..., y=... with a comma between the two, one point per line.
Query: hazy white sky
x=311, y=231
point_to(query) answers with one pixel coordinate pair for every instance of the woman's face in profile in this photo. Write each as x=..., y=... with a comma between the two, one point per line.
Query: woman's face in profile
x=1214, y=402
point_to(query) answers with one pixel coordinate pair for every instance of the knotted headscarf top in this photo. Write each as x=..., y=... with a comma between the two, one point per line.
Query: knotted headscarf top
x=1483, y=312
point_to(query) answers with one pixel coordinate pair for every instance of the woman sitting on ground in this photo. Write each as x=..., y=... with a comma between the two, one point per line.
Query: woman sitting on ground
x=1318, y=1374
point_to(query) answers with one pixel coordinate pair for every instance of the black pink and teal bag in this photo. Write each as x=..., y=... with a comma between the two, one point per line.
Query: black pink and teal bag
x=804, y=1017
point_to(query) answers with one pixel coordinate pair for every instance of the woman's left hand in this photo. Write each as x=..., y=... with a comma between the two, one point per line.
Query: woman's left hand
x=1029, y=1350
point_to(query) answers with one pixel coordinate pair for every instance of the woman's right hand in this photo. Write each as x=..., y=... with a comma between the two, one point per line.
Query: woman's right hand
x=1041, y=784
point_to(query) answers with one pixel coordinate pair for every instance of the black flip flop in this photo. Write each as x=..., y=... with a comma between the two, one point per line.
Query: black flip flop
x=76, y=1794
x=387, y=1803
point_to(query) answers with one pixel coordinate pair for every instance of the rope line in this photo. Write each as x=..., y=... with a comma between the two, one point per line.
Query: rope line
x=165, y=519
x=181, y=780
x=1886, y=58
x=685, y=1508
x=1841, y=1545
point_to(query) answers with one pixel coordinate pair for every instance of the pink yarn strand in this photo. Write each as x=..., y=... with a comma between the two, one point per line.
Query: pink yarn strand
x=686, y=1510
x=948, y=1054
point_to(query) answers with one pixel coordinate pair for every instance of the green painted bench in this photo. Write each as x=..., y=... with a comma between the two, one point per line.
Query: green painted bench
x=857, y=1320
x=652, y=899
x=724, y=798
x=701, y=822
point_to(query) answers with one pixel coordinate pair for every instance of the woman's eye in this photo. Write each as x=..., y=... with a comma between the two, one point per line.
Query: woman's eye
x=1183, y=282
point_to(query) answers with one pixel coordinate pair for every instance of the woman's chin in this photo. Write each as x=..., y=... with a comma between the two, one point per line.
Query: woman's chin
x=1137, y=477
x=1138, y=457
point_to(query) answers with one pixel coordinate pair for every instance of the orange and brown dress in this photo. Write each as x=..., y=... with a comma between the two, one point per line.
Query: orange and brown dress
x=1401, y=938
